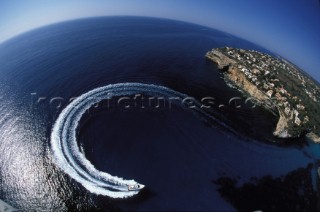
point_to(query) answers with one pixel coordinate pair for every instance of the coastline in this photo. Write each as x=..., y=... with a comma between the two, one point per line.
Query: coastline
x=295, y=119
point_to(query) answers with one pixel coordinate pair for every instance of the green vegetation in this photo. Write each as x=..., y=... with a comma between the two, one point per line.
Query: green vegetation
x=295, y=94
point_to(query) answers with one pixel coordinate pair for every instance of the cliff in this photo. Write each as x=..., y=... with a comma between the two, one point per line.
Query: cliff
x=278, y=85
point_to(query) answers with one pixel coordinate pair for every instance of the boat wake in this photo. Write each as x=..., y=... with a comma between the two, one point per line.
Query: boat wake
x=67, y=154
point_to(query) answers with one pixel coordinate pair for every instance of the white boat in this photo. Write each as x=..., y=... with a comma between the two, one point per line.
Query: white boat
x=135, y=187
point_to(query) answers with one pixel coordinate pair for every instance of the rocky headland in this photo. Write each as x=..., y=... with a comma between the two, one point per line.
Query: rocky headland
x=278, y=85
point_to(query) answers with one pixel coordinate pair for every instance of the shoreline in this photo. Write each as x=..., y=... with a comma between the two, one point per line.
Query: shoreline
x=277, y=95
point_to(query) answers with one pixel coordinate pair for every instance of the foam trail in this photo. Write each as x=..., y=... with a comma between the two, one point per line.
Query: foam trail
x=71, y=160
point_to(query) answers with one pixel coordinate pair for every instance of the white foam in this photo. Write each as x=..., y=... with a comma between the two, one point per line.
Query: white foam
x=64, y=146
x=68, y=155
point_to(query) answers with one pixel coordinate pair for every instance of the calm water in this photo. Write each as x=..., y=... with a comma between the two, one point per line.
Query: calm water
x=173, y=152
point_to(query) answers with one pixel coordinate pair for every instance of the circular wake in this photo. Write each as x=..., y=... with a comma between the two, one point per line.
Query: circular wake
x=71, y=160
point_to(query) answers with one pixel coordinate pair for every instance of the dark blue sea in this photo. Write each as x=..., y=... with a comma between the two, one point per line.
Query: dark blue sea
x=186, y=162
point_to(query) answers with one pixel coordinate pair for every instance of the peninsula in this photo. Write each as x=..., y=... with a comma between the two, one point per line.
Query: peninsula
x=278, y=85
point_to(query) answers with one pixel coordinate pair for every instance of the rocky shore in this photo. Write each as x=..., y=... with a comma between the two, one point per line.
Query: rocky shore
x=278, y=85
